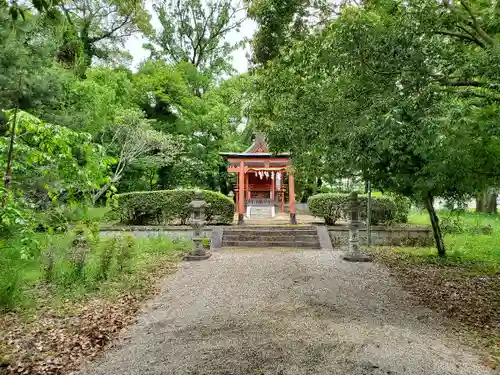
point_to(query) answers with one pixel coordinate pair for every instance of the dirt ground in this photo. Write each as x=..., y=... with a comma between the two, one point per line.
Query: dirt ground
x=290, y=313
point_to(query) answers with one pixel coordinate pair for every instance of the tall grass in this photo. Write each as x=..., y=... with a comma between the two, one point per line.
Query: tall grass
x=78, y=263
x=472, y=239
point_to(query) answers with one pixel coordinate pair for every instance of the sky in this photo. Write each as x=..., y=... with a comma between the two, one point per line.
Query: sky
x=240, y=61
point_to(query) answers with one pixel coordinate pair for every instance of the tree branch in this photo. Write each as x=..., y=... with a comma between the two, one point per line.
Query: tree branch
x=66, y=13
x=112, y=31
x=464, y=83
x=475, y=24
x=461, y=36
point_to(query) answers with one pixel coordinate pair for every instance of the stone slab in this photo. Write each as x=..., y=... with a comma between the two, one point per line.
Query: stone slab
x=324, y=238
x=216, y=241
x=357, y=257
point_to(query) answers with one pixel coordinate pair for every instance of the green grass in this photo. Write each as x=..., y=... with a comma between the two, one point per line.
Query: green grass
x=472, y=241
x=108, y=268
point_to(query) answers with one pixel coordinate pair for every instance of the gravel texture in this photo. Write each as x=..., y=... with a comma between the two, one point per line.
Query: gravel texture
x=288, y=313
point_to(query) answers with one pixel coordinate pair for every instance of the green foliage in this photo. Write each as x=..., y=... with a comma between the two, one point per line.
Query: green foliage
x=196, y=32
x=282, y=21
x=10, y=277
x=77, y=263
x=461, y=222
x=53, y=162
x=203, y=118
x=332, y=207
x=470, y=243
x=125, y=253
x=205, y=241
x=171, y=207
x=29, y=77
x=403, y=206
x=102, y=27
x=14, y=215
x=329, y=206
x=92, y=104
x=396, y=92
x=106, y=256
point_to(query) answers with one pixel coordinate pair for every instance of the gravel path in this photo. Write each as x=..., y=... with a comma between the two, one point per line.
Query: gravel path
x=288, y=313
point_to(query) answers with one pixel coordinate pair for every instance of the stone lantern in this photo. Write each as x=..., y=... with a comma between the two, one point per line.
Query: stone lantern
x=354, y=254
x=197, y=208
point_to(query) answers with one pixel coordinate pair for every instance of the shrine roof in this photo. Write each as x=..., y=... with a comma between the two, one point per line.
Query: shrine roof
x=243, y=155
x=258, y=149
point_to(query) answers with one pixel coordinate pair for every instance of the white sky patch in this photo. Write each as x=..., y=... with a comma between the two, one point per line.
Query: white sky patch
x=240, y=61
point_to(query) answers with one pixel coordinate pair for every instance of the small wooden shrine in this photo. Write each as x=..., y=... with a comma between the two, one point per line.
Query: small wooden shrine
x=260, y=181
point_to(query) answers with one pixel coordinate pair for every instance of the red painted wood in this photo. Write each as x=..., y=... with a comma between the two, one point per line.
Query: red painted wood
x=291, y=192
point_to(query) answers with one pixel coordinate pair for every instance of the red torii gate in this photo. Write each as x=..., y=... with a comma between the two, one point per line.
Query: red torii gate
x=260, y=175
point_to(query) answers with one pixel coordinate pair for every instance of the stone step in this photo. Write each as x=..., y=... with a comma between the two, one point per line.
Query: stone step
x=269, y=237
x=293, y=228
x=261, y=212
x=266, y=244
x=231, y=237
x=270, y=231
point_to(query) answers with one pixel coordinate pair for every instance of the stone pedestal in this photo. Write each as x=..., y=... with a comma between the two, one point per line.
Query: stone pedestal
x=354, y=254
x=197, y=207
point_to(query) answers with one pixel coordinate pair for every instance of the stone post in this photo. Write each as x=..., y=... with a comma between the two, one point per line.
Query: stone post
x=354, y=254
x=197, y=207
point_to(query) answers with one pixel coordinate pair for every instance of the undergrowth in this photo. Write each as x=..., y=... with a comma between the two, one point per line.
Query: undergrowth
x=472, y=241
x=78, y=264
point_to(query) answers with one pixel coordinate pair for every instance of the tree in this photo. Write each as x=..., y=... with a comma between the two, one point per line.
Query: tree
x=17, y=10
x=101, y=27
x=187, y=104
x=195, y=32
x=51, y=160
x=378, y=92
x=91, y=104
x=131, y=139
x=280, y=22
x=29, y=78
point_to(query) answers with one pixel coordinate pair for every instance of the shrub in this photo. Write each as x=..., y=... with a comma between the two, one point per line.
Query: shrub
x=106, y=256
x=333, y=207
x=171, y=207
x=10, y=278
x=49, y=260
x=205, y=241
x=80, y=249
x=328, y=206
x=403, y=206
x=125, y=253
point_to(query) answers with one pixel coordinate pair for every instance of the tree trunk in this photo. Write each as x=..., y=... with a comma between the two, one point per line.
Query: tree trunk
x=486, y=201
x=100, y=193
x=8, y=170
x=436, y=230
x=492, y=203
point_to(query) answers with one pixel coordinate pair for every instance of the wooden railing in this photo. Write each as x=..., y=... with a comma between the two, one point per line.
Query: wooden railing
x=259, y=187
x=260, y=202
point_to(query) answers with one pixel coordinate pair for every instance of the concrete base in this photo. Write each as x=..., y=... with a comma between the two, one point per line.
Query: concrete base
x=191, y=257
x=357, y=257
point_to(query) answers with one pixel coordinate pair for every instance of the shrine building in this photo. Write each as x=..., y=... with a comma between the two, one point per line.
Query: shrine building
x=260, y=181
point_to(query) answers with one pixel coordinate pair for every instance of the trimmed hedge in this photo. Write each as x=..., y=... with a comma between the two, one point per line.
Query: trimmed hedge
x=332, y=207
x=171, y=207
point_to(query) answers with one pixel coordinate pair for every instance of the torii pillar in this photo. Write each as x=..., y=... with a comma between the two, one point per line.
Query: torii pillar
x=291, y=198
x=241, y=194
